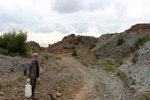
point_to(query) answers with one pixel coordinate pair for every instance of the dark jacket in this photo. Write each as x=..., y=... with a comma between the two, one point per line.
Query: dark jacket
x=32, y=70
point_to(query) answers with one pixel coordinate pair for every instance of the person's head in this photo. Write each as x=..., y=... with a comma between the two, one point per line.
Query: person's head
x=35, y=56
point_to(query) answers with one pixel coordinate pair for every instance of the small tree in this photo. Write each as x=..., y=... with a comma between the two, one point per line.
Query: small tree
x=13, y=43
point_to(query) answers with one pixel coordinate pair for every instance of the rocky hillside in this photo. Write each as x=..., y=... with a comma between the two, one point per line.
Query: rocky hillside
x=70, y=43
x=107, y=46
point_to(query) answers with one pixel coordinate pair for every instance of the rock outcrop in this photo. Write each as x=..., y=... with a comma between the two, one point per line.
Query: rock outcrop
x=70, y=43
x=142, y=28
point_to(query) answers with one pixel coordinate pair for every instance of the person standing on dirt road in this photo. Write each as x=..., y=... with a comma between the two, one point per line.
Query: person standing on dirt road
x=33, y=72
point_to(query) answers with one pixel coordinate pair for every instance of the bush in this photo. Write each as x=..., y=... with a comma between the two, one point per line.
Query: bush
x=117, y=66
x=74, y=53
x=120, y=62
x=108, y=66
x=132, y=49
x=120, y=41
x=76, y=43
x=92, y=45
x=79, y=38
x=141, y=41
x=95, y=41
x=13, y=43
x=46, y=57
x=73, y=48
x=4, y=51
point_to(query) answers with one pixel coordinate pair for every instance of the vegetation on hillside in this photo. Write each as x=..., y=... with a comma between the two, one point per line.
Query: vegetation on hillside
x=14, y=43
x=141, y=41
x=120, y=41
x=93, y=44
x=74, y=53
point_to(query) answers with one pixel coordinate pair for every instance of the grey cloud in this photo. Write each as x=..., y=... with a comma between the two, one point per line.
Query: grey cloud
x=81, y=27
x=66, y=6
x=69, y=6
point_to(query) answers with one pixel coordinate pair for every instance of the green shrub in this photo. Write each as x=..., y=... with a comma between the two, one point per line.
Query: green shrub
x=107, y=66
x=130, y=71
x=73, y=48
x=65, y=37
x=46, y=57
x=4, y=51
x=74, y=53
x=132, y=49
x=13, y=43
x=120, y=62
x=76, y=43
x=95, y=41
x=117, y=66
x=79, y=38
x=120, y=41
x=70, y=42
x=141, y=41
x=92, y=45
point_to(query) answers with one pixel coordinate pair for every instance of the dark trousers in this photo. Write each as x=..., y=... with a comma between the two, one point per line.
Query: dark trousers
x=33, y=84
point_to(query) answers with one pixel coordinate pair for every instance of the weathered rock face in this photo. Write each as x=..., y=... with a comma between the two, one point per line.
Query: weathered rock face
x=9, y=65
x=139, y=69
x=70, y=43
x=139, y=28
x=107, y=45
x=35, y=47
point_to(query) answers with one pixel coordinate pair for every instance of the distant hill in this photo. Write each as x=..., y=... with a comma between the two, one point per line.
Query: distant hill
x=70, y=43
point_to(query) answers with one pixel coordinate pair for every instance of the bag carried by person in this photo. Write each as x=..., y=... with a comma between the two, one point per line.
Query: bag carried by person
x=28, y=90
x=25, y=69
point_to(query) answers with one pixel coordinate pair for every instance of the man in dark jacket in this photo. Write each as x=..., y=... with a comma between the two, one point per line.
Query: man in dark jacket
x=33, y=72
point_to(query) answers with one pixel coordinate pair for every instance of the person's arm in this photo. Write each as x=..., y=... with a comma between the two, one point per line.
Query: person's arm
x=37, y=71
x=28, y=70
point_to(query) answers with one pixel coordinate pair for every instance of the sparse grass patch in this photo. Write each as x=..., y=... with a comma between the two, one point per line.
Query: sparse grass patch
x=107, y=66
x=46, y=57
x=52, y=96
x=20, y=79
x=144, y=96
x=122, y=76
x=92, y=62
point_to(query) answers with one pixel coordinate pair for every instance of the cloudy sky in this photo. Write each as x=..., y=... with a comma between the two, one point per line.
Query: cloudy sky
x=48, y=21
